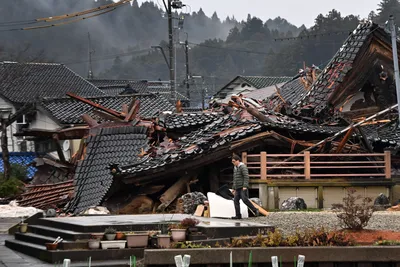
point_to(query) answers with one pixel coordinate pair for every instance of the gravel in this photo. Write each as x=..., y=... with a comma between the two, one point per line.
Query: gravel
x=289, y=222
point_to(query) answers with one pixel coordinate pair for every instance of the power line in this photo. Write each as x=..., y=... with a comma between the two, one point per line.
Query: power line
x=111, y=56
x=314, y=35
x=104, y=9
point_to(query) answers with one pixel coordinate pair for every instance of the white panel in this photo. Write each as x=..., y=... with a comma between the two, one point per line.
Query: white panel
x=333, y=195
x=224, y=208
x=310, y=195
x=285, y=193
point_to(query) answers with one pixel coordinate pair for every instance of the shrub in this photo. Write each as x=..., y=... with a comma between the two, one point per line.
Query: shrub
x=387, y=243
x=19, y=172
x=189, y=222
x=352, y=215
x=188, y=245
x=11, y=187
x=309, y=238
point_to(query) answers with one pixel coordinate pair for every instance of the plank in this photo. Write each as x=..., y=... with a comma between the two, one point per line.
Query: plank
x=199, y=210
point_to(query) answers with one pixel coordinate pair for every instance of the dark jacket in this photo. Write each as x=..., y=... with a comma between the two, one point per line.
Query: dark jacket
x=240, y=176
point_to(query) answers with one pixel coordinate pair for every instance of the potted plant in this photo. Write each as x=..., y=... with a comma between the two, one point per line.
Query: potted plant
x=178, y=232
x=110, y=233
x=190, y=224
x=120, y=236
x=97, y=236
x=137, y=240
x=163, y=241
x=120, y=244
x=23, y=227
x=94, y=243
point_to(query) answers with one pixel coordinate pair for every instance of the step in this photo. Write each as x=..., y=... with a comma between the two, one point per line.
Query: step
x=34, y=238
x=55, y=232
x=58, y=256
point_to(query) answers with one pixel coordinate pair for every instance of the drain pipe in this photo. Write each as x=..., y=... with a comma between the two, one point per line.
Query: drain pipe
x=395, y=59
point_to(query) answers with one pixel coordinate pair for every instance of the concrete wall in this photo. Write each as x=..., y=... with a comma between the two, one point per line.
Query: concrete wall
x=273, y=196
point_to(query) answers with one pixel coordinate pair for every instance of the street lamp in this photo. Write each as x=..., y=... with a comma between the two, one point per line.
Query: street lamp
x=5, y=113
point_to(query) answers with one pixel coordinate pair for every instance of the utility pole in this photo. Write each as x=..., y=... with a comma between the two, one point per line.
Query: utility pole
x=395, y=60
x=168, y=8
x=90, y=51
x=187, y=69
x=4, y=149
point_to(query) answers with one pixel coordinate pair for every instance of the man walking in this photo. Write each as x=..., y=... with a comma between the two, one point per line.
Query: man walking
x=240, y=186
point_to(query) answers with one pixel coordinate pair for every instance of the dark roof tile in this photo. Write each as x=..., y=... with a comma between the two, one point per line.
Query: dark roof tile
x=25, y=82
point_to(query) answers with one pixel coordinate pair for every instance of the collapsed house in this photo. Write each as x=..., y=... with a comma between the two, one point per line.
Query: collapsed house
x=310, y=138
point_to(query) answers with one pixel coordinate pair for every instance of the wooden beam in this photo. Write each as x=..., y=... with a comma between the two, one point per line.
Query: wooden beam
x=106, y=116
x=98, y=106
x=173, y=192
x=133, y=111
x=344, y=140
x=263, y=164
x=307, y=167
x=388, y=169
x=89, y=120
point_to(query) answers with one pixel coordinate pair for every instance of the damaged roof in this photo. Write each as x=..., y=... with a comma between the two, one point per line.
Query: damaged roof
x=333, y=78
x=70, y=111
x=254, y=82
x=28, y=82
x=117, y=144
x=47, y=195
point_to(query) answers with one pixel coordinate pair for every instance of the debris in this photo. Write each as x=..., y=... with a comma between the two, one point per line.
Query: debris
x=191, y=201
x=294, y=203
x=138, y=205
x=12, y=210
x=173, y=192
x=96, y=210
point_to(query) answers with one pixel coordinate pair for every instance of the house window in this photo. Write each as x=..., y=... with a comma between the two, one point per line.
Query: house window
x=21, y=120
x=45, y=146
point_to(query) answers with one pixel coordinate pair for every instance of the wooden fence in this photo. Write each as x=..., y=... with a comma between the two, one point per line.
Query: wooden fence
x=308, y=166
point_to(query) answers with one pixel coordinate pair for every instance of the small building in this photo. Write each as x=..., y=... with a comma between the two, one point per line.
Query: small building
x=246, y=84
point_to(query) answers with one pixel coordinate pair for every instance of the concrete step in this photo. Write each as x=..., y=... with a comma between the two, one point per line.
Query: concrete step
x=34, y=238
x=57, y=256
x=55, y=232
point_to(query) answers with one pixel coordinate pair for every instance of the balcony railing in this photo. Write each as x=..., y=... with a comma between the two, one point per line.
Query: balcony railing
x=308, y=166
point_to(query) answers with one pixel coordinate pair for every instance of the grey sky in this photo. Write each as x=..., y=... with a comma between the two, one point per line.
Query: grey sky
x=295, y=11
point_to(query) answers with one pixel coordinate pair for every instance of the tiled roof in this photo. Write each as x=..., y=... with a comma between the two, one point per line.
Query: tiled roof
x=21, y=158
x=206, y=140
x=202, y=141
x=187, y=120
x=264, y=81
x=46, y=196
x=291, y=92
x=104, y=146
x=70, y=111
x=25, y=82
x=117, y=87
x=387, y=134
x=316, y=101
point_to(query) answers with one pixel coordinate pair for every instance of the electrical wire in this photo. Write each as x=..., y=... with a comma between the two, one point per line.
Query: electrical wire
x=111, y=56
x=104, y=9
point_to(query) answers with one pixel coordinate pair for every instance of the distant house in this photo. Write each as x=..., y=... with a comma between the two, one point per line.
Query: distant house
x=22, y=83
x=127, y=87
x=246, y=84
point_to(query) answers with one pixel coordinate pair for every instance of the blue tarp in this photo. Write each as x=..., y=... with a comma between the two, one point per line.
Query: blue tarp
x=22, y=158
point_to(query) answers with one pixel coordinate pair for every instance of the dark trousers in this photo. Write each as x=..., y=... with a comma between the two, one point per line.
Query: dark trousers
x=241, y=194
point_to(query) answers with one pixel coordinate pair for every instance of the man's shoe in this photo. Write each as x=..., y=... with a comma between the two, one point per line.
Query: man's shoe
x=256, y=213
x=237, y=218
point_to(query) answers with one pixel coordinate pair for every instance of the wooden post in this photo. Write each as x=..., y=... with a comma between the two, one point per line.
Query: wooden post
x=263, y=165
x=244, y=157
x=388, y=168
x=307, y=167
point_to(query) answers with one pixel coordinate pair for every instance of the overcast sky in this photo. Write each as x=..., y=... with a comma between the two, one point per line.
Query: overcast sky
x=297, y=12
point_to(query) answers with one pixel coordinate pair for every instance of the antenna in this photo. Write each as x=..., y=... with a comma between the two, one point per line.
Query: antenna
x=90, y=51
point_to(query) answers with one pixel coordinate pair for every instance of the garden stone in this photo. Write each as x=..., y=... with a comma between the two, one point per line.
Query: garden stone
x=51, y=213
x=294, y=203
x=381, y=202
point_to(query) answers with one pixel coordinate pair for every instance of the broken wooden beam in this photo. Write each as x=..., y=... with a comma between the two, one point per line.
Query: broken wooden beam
x=89, y=120
x=173, y=192
x=98, y=106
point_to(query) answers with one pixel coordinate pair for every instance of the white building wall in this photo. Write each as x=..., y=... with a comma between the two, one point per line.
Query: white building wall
x=44, y=122
x=12, y=140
